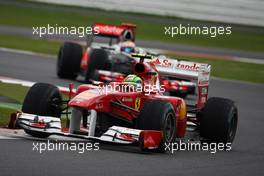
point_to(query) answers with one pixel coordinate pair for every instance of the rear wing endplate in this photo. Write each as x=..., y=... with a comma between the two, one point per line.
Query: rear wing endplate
x=196, y=72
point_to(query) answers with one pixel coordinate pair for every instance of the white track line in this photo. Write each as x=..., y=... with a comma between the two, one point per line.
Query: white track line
x=18, y=51
x=248, y=60
x=8, y=137
x=8, y=80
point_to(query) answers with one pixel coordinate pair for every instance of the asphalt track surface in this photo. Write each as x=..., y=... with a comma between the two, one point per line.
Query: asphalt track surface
x=246, y=157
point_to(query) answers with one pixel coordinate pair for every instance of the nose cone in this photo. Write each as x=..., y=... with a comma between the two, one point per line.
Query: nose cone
x=85, y=99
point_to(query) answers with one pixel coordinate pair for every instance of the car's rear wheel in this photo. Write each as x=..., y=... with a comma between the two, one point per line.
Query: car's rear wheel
x=158, y=115
x=44, y=100
x=97, y=61
x=218, y=121
x=69, y=58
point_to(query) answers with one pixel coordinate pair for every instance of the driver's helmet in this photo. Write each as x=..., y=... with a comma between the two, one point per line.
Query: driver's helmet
x=133, y=80
x=127, y=47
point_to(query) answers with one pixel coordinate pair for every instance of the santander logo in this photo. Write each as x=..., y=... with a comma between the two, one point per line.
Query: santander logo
x=174, y=64
x=162, y=62
x=194, y=66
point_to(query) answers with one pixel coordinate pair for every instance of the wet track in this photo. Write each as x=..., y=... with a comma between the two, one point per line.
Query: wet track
x=246, y=158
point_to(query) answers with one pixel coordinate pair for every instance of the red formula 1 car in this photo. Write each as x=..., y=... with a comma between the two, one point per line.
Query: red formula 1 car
x=118, y=113
x=107, y=58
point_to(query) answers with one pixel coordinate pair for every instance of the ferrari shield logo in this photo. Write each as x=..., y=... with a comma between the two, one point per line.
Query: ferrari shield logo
x=137, y=103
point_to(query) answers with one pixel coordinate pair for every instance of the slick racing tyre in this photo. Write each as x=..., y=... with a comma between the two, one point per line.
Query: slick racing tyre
x=218, y=121
x=45, y=100
x=97, y=61
x=69, y=58
x=158, y=115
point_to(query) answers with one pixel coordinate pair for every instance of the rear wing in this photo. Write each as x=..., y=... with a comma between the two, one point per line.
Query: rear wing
x=114, y=31
x=197, y=72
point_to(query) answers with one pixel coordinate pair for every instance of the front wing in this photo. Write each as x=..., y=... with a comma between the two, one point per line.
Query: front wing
x=115, y=134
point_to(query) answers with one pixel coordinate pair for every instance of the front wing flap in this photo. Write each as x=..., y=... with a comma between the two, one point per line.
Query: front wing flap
x=39, y=123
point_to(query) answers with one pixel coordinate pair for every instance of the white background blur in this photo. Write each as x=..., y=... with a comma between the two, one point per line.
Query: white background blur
x=249, y=12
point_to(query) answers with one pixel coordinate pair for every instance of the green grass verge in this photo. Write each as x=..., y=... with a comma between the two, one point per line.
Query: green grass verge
x=25, y=43
x=149, y=27
x=232, y=70
x=13, y=92
x=5, y=115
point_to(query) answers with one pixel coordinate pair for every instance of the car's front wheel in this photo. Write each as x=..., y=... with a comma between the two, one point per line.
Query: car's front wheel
x=158, y=115
x=44, y=100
